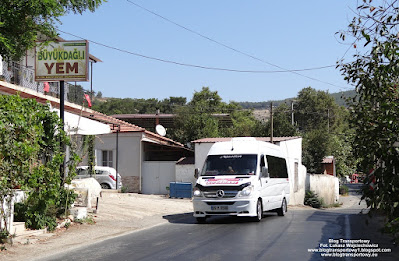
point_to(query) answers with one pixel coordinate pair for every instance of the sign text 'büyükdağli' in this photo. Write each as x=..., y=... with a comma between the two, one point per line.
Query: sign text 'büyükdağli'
x=62, y=61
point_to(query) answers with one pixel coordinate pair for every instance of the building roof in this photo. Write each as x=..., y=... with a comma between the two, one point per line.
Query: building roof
x=267, y=139
x=166, y=120
x=328, y=160
x=116, y=124
x=186, y=161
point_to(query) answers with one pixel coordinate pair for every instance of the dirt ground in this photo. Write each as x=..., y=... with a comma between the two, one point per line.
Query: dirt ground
x=118, y=214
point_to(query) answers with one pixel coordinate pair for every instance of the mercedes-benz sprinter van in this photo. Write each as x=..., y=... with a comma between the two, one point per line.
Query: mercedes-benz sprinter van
x=242, y=177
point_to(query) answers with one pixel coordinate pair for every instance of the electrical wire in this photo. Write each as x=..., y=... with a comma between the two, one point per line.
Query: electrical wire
x=295, y=71
x=179, y=63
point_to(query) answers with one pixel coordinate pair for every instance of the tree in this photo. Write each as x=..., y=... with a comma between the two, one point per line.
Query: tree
x=323, y=125
x=22, y=21
x=30, y=159
x=195, y=120
x=316, y=109
x=198, y=119
x=375, y=114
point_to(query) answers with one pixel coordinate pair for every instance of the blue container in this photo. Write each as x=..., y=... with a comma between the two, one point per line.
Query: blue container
x=180, y=190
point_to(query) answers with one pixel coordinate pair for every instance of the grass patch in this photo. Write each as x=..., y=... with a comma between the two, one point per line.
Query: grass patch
x=88, y=220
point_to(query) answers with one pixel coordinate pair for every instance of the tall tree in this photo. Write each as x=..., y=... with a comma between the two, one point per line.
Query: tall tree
x=198, y=119
x=375, y=74
x=22, y=21
x=316, y=109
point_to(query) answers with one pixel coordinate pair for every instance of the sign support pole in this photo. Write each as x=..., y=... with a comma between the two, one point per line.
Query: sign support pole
x=62, y=105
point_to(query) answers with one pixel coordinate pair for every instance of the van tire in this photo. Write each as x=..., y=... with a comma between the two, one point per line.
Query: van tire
x=281, y=211
x=201, y=220
x=259, y=211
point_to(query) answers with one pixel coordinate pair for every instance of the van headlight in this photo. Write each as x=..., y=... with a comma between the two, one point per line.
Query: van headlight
x=197, y=192
x=247, y=191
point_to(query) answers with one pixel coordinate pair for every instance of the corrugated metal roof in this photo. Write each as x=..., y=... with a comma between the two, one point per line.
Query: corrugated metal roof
x=267, y=139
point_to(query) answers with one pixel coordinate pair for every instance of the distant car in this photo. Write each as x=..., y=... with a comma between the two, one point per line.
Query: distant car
x=106, y=176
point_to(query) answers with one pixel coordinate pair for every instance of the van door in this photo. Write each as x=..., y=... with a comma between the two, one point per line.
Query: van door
x=265, y=191
x=278, y=179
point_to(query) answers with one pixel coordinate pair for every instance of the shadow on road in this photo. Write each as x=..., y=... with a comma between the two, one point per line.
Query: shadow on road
x=188, y=218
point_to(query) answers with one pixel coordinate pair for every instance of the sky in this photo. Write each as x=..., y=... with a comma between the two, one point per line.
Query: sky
x=266, y=36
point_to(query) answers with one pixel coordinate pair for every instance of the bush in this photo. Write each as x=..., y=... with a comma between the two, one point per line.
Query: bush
x=343, y=190
x=311, y=199
x=4, y=235
x=19, y=212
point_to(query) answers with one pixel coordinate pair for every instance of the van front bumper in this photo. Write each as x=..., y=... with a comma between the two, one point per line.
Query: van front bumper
x=238, y=207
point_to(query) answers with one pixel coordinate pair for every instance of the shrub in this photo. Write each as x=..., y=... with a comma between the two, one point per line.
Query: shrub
x=311, y=199
x=343, y=190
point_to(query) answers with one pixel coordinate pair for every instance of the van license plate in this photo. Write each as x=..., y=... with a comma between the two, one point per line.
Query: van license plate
x=219, y=208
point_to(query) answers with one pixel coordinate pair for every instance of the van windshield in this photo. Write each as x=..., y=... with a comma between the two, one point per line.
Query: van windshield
x=230, y=165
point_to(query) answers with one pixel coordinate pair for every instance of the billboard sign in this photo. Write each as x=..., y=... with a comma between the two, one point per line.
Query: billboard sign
x=62, y=61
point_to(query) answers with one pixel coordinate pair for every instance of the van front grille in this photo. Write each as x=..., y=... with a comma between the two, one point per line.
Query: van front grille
x=227, y=194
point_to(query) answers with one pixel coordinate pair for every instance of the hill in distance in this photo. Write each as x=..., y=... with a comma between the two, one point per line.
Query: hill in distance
x=340, y=99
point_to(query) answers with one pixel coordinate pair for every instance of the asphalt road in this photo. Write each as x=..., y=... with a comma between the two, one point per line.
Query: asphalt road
x=292, y=237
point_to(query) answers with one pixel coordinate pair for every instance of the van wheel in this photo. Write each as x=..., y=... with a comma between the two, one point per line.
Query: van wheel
x=201, y=220
x=105, y=186
x=281, y=211
x=259, y=211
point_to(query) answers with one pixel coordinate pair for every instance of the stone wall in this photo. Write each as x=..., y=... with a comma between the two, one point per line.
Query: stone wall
x=132, y=183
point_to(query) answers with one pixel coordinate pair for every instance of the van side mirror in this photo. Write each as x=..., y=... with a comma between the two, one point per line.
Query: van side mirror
x=196, y=173
x=265, y=172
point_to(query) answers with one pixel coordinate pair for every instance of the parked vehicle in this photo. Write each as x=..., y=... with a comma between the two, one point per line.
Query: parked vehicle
x=242, y=177
x=106, y=176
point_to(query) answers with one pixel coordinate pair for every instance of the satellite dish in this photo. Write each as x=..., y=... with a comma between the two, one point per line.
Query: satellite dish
x=160, y=130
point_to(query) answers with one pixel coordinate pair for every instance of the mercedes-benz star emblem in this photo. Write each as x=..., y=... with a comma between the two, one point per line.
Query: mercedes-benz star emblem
x=220, y=193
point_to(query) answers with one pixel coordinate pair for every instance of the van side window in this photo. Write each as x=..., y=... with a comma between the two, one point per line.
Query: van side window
x=277, y=167
x=262, y=161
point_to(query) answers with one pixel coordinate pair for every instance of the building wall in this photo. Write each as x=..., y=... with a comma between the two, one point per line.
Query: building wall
x=325, y=186
x=185, y=173
x=297, y=172
x=130, y=156
x=201, y=150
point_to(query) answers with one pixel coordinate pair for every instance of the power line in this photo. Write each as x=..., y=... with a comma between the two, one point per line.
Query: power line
x=179, y=63
x=240, y=52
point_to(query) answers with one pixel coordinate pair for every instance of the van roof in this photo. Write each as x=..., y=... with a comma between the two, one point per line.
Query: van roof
x=245, y=146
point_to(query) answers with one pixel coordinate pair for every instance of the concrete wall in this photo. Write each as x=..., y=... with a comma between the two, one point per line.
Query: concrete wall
x=130, y=156
x=201, y=150
x=325, y=186
x=297, y=172
x=185, y=173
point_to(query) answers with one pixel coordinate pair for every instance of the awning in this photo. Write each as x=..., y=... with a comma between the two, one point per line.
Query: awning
x=75, y=124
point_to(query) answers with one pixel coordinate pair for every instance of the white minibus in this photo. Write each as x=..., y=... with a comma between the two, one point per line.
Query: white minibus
x=242, y=177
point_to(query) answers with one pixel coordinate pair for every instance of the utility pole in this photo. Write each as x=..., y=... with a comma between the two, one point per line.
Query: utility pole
x=328, y=120
x=292, y=112
x=271, y=122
